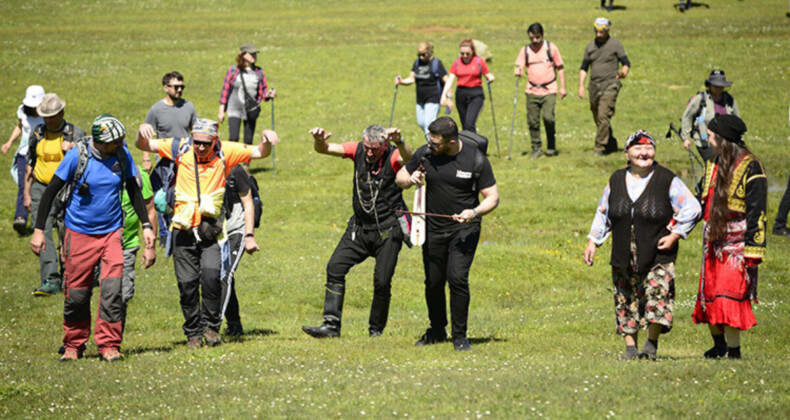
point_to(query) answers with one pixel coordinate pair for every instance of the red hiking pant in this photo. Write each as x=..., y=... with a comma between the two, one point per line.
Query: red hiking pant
x=82, y=253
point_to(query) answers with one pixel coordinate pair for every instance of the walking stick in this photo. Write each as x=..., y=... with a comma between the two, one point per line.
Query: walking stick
x=513, y=121
x=496, y=135
x=394, y=97
x=273, y=146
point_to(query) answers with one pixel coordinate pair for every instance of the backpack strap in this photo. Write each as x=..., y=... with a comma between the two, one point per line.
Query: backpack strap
x=478, y=168
x=435, y=71
x=548, y=52
x=479, y=66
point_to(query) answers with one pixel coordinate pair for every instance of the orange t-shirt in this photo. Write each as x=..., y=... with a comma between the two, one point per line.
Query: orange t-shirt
x=211, y=174
x=540, y=70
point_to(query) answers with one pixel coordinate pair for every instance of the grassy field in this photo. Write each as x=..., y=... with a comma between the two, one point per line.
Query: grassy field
x=541, y=322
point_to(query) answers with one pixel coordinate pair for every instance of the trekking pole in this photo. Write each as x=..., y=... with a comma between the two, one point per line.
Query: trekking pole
x=394, y=97
x=493, y=117
x=273, y=146
x=513, y=120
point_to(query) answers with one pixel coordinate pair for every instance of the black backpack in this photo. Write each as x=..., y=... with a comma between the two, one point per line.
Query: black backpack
x=481, y=144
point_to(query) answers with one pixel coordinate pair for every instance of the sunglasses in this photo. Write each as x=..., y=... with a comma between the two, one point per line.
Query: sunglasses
x=202, y=143
x=177, y=87
x=433, y=145
x=464, y=54
x=419, y=54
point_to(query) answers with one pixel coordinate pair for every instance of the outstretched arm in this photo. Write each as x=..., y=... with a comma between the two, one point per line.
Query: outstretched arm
x=322, y=146
x=268, y=139
x=146, y=138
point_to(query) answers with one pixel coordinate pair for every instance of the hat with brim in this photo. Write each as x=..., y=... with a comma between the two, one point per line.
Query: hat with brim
x=249, y=48
x=33, y=96
x=717, y=78
x=50, y=105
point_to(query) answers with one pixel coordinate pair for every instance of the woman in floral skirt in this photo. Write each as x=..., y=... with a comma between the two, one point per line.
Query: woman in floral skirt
x=646, y=208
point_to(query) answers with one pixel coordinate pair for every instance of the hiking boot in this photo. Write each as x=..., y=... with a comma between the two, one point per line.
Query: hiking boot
x=432, y=337
x=716, y=352
x=324, y=331
x=234, y=329
x=551, y=152
x=536, y=153
x=111, y=355
x=212, y=337
x=70, y=355
x=782, y=231
x=647, y=356
x=461, y=344
x=49, y=288
x=20, y=226
x=194, y=343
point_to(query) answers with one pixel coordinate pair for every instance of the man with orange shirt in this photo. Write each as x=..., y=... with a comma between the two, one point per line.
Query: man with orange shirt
x=373, y=230
x=543, y=63
x=204, y=164
x=47, y=147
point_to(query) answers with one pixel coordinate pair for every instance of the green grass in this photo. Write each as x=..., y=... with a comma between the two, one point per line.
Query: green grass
x=541, y=322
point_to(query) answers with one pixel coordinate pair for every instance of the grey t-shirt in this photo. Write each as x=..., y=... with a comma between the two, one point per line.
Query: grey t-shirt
x=236, y=100
x=172, y=121
x=605, y=61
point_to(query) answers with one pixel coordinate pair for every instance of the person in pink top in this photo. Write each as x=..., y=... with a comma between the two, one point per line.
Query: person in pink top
x=543, y=64
x=469, y=69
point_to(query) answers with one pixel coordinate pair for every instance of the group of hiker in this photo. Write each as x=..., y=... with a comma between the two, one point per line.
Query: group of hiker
x=199, y=199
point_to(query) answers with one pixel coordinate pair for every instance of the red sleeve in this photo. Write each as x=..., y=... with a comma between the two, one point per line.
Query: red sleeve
x=453, y=69
x=483, y=65
x=394, y=159
x=350, y=150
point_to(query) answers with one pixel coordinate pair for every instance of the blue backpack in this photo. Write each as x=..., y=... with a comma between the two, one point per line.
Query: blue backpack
x=163, y=177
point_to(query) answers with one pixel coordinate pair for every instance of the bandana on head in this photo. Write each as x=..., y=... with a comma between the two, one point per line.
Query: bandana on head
x=107, y=129
x=602, y=24
x=205, y=126
x=640, y=137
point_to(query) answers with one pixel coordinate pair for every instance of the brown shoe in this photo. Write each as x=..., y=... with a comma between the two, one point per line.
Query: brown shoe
x=70, y=355
x=212, y=337
x=194, y=343
x=111, y=355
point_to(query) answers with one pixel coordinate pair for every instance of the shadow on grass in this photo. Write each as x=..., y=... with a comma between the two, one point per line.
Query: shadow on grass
x=262, y=332
x=161, y=349
x=258, y=169
x=483, y=340
x=680, y=7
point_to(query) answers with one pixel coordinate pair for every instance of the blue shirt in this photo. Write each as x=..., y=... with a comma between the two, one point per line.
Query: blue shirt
x=99, y=211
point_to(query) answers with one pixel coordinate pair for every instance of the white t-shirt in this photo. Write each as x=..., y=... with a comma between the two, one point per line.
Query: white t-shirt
x=28, y=123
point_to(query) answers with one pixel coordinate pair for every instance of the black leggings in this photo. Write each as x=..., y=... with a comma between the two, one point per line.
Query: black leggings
x=469, y=102
x=234, y=124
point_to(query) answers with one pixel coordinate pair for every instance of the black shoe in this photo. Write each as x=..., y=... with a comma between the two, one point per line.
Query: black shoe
x=324, y=331
x=374, y=333
x=647, y=356
x=234, y=329
x=782, y=231
x=20, y=226
x=461, y=344
x=716, y=352
x=431, y=337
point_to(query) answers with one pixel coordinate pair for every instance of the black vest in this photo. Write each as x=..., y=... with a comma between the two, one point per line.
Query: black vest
x=376, y=180
x=652, y=211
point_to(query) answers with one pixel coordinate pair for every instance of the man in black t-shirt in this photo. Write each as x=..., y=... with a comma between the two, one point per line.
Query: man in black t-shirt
x=240, y=226
x=373, y=230
x=455, y=174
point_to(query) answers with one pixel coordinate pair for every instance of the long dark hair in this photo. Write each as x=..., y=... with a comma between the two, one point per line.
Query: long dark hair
x=729, y=155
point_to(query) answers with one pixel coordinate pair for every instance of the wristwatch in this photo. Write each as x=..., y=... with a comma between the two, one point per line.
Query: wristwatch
x=148, y=226
x=249, y=235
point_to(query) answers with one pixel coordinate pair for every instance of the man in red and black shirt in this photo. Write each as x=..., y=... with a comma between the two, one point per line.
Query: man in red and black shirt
x=373, y=230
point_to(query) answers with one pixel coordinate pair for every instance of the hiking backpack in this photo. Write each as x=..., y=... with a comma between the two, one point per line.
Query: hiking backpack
x=550, y=60
x=481, y=144
x=435, y=71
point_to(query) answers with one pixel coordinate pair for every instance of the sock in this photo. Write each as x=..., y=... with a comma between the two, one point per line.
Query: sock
x=734, y=352
x=650, y=347
x=631, y=352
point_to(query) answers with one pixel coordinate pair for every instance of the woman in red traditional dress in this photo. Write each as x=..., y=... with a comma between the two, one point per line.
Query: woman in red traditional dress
x=734, y=202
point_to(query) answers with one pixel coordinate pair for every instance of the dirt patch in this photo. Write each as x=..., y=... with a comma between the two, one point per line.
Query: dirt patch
x=430, y=30
x=675, y=87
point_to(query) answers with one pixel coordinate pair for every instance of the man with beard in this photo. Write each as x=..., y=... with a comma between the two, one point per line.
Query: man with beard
x=173, y=116
x=456, y=173
x=373, y=230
